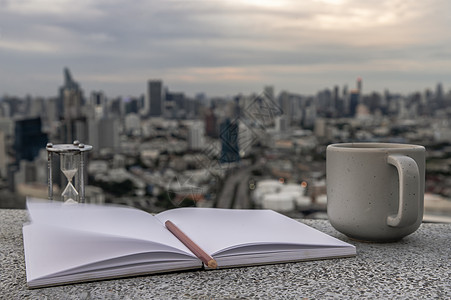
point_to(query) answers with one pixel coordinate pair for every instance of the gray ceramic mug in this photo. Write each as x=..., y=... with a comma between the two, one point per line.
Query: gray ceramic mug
x=375, y=191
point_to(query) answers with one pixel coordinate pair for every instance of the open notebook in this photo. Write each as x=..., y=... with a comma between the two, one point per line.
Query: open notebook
x=67, y=243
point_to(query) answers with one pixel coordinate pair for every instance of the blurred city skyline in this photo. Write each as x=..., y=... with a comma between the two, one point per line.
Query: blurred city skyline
x=223, y=48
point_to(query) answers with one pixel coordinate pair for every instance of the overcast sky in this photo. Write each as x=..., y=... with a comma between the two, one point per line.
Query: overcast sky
x=224, y=47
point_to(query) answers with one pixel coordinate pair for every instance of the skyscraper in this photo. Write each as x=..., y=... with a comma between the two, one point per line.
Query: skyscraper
x=69, y=109
x=230, y=151
x=29, y=139
x=359, y=85
x=354, y=100
x=69, y=85
x=196, y=136
x=439, y=91
x=97, y=102
x=154, y=99
x=281, y=123
x=174, y=105
x=109, y=133
x=3, y=155
x=269, y=92
x=335, y=99
x=74, y=121
x=211, y=129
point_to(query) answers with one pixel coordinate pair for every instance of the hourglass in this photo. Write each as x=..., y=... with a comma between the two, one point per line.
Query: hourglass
x=72, y=161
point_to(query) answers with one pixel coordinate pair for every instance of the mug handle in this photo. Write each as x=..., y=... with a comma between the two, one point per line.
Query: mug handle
x=409, y=187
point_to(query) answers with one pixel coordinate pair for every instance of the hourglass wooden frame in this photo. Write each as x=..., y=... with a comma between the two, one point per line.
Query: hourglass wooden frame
x=76, y=148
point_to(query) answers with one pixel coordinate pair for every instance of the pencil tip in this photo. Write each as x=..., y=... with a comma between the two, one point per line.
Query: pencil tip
x=212, y=264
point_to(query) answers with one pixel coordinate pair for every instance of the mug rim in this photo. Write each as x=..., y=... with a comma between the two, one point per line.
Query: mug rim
x=371, y=146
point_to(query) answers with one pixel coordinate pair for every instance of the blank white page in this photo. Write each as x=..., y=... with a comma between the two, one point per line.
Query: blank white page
x=110, y=220
x=216, y=230
x=50, y=250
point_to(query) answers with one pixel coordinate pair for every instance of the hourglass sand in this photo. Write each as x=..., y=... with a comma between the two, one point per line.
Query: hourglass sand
x=71, y=163
x=69, y=166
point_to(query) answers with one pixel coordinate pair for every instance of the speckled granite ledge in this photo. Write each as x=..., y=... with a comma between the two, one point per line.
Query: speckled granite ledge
x=418, y=267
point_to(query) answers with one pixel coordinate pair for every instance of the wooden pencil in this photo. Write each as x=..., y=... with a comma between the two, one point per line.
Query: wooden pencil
x=201, y=254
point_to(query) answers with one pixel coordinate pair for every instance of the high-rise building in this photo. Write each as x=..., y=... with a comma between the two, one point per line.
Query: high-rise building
x=72, y=104
x=439, y=92
x=196, y=136
x=192, y=108
x=116, y=108
x=103, y=133
x=93, y=130
x=69, y=109
x=109, y=134
x=269, y=92
x=29, y=139
x=7, y=126
x=440, y=102
x=3, y=156
x=211, y=129
x=228, y=135
x=72, y=114
x=353, y=102
x=71, y=130
x=309, y=116
x=359, y=85
x=35, y=107
x=70, y=88
x=97, y=102
x=336, y=100
x=286, y=103
x=175, y=105
x=345, y=92
x=5, y=109
x=132, y=124
x=320, y=128
x=298, y=104
x=281, y=123
x=131, y=105
x=154, y=99
x=50, y=107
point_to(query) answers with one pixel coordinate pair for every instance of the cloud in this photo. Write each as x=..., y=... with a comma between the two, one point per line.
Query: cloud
x=222, y=44
x=53, y=8
x=27, y=46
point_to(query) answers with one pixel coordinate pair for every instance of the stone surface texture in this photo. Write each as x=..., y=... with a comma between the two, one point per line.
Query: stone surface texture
x=417, y=267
